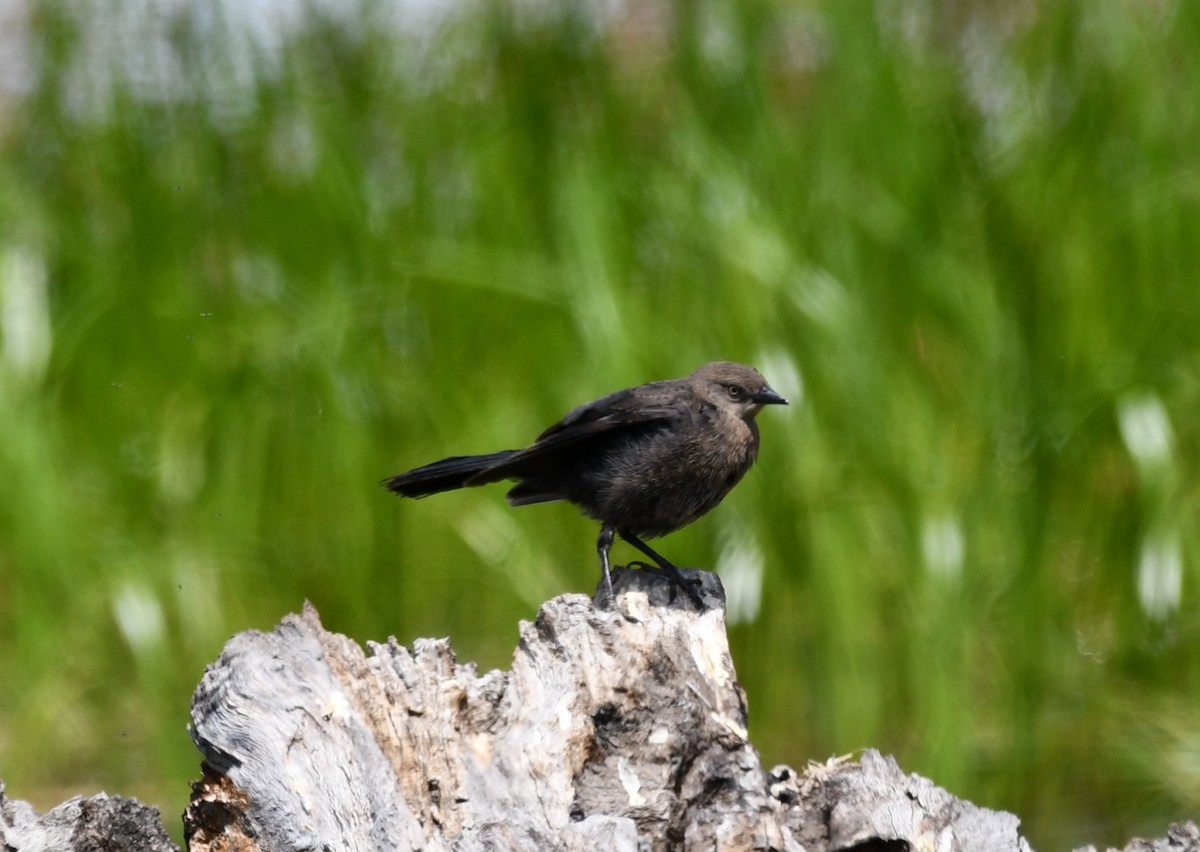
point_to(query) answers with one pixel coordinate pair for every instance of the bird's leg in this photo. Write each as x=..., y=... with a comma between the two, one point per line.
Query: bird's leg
x=667, y=566
x=603, y=545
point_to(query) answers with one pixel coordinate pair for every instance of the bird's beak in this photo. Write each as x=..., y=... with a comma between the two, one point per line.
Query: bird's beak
x=766, y=396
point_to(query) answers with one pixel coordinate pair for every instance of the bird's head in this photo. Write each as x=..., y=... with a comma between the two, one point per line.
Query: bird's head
x=735, y=387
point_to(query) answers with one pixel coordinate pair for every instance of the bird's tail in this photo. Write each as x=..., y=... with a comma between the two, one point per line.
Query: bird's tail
x=445, y=475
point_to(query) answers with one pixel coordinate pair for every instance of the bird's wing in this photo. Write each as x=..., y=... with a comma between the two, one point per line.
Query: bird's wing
x=631, y=407
x=643, y=407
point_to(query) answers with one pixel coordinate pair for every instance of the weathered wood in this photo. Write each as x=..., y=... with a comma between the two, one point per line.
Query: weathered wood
x=101, y=822
x=613, y=730
x=1181, y=837
x=621, y=730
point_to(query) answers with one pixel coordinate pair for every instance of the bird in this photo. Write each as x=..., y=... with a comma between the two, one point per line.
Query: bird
x=643, y=462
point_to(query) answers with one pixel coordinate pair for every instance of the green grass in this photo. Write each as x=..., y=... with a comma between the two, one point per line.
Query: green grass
x=967, y=250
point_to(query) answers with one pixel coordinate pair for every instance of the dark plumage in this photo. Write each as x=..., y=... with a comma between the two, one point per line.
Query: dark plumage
x=643, y=462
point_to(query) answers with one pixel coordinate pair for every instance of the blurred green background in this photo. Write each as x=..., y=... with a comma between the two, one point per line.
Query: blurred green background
x=254, y=258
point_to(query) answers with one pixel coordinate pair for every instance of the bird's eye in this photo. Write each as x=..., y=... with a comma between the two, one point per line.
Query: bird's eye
x=735, y=391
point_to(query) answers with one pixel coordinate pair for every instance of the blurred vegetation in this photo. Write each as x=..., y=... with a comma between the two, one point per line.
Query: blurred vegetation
x=249, y=266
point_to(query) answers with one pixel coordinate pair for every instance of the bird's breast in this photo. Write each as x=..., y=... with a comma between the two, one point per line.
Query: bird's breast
x=669, y=478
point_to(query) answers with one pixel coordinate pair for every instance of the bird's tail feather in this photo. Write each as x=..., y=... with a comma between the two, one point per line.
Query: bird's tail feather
x=445, y=475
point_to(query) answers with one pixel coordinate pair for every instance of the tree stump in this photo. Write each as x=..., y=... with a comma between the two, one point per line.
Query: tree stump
x=619, y=729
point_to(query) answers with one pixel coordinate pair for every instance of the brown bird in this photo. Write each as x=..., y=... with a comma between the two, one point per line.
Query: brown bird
x=643, y=461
